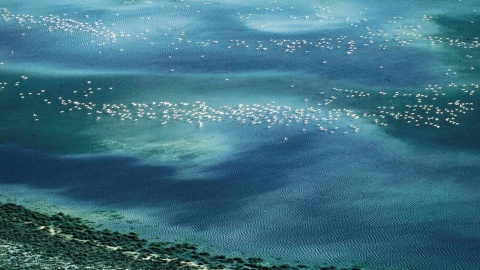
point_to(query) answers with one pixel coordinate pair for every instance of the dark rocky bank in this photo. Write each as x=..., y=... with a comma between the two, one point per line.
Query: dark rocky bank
x=32, y=240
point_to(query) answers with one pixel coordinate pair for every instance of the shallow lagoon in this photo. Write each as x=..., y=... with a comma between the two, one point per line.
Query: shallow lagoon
x=360, y=173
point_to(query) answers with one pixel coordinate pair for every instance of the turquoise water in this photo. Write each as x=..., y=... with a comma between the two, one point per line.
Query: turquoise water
x=320, y=131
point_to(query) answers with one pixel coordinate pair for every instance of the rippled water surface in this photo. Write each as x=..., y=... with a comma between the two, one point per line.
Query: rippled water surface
x=313, y=131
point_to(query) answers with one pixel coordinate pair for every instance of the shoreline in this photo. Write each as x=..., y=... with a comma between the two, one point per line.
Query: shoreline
x=32, y=239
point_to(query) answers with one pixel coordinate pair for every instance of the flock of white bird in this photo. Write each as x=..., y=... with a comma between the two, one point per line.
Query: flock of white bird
x=433, y=106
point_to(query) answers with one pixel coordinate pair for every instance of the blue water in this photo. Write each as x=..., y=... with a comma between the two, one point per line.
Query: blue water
x=357, y=142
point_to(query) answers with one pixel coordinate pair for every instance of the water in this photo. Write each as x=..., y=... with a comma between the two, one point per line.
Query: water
x=308, y=131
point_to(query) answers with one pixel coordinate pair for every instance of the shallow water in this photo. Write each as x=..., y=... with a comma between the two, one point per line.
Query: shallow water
x=318, y=132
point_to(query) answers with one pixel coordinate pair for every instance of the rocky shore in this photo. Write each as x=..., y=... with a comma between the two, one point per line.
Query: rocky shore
x=32, y=240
